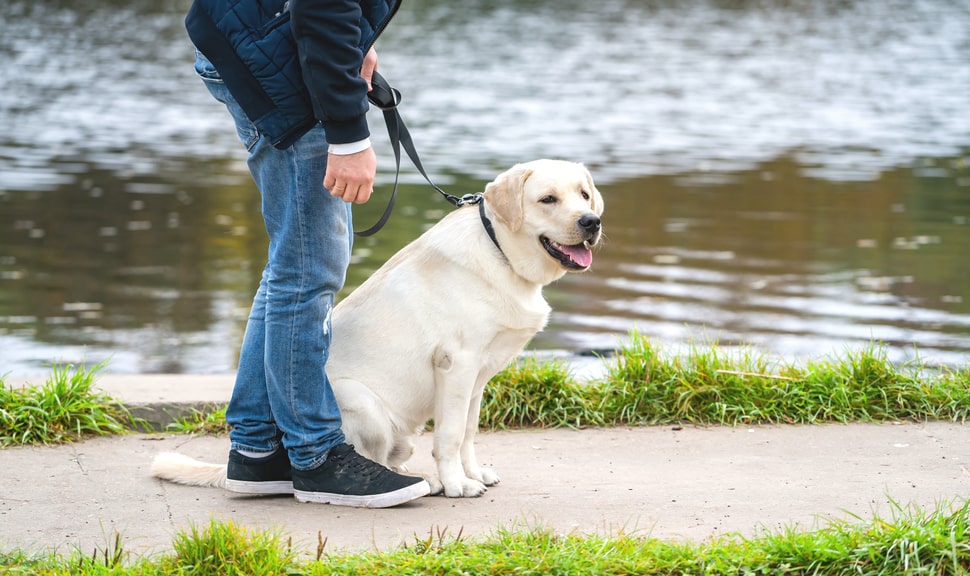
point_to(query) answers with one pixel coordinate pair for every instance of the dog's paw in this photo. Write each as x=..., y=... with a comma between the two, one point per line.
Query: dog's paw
x=489, y=477
x=436, y=486
x=465, y=488
x=486, y=476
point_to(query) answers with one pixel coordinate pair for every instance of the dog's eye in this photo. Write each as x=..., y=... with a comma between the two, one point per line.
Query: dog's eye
x=585, y=195
x=548, y=199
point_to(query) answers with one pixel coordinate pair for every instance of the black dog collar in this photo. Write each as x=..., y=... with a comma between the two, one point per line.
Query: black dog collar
x=488, y=226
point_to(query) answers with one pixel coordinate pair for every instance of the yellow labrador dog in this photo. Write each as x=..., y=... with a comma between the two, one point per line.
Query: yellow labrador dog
x=425, y=333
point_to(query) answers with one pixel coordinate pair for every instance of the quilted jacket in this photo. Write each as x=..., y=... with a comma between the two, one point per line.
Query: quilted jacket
x=291, y=64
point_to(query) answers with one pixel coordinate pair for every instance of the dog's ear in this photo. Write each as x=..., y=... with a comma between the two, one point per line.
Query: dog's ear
x=596, y=202
x=506, y=196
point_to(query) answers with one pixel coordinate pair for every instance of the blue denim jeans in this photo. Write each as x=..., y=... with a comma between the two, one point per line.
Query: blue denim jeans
x=282, y=393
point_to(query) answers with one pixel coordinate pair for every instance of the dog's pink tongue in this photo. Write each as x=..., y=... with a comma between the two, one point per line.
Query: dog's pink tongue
x=579, y=254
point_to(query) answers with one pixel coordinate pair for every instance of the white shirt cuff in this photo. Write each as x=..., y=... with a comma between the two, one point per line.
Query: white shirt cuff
x=350, y=148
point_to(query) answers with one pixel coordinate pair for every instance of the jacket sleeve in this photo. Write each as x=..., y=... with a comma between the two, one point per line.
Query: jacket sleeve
x=327, y=34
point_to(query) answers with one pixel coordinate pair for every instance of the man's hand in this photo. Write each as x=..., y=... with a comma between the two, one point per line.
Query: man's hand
x=351, y=176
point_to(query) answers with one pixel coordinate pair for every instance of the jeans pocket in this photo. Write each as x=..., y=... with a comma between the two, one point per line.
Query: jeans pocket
x=217, y=87
x=205, y=69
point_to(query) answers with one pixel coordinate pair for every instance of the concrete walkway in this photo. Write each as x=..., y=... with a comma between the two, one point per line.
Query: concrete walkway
x=667, y=482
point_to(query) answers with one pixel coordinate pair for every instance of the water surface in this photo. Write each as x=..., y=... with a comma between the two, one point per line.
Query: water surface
x=789, y=174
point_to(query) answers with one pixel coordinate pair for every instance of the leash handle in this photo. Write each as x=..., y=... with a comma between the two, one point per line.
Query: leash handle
x=386, y=98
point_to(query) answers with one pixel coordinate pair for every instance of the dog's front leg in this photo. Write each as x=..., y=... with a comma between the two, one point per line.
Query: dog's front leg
x=469, y=460
x=454, y=387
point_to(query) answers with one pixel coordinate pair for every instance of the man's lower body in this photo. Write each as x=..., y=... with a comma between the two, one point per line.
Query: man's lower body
x=282, y=397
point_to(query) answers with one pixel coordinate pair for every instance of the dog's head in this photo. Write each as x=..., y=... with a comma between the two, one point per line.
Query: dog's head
x=547, y=218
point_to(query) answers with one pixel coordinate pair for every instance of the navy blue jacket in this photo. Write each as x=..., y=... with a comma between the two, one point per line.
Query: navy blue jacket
x=291, y=64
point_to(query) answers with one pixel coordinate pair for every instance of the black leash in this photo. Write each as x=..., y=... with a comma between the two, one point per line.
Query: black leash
x=386, y=98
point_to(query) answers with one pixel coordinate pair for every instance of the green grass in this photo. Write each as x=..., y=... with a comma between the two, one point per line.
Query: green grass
x=714, y=386
x=912, y=541
x=642, y=385
x=202, y=422
x=529, y=393
x=65, y=408
x=645, y=386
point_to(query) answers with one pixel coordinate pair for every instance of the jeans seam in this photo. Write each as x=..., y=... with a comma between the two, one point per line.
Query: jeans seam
x=300, y=295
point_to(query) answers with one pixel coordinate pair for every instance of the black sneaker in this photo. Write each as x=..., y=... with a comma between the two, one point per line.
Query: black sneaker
x=259, y=476
x=349, y=479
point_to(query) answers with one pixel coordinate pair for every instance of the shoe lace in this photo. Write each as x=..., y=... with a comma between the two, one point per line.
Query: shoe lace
x=360, y=465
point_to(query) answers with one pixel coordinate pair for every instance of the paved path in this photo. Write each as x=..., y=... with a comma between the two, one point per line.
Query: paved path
x=667, y=482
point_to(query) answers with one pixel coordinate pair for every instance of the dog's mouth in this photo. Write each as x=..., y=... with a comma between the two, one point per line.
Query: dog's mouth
x=575, y=257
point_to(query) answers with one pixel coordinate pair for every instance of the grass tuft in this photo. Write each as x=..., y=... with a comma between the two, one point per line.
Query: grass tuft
x=227, y=549
x=643, y=385
x=528, y=393
x=911, y=541
x=65, y=408
x=712, y=385
x=202, y=421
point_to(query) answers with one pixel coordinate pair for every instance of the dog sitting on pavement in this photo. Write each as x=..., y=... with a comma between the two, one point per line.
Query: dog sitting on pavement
x=425, y=333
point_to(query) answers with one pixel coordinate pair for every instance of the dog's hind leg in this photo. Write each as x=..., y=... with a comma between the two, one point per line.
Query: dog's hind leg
x=401, y=452
x=366, y=423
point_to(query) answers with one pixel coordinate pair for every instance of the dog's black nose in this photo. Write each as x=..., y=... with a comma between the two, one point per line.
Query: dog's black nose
x=589, y=222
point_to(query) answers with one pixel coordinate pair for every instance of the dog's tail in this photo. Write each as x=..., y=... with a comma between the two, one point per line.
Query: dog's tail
x=181, y=469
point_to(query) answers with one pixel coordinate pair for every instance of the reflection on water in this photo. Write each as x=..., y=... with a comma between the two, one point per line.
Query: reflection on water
x=789, y=174
x=794, y=265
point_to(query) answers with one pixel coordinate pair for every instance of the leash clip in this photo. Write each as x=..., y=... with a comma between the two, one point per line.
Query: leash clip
x=468, y=199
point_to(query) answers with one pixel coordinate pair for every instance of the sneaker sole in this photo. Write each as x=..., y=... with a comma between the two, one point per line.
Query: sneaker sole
x=267, y=488
x=386, y=500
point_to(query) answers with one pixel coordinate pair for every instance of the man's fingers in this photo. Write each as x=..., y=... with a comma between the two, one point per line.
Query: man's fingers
x=368, y=66
x=363, y=195
x=350, y=193
x=353, y=193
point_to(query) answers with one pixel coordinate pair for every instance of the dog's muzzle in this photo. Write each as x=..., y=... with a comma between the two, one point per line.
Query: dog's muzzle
x=576, y=256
